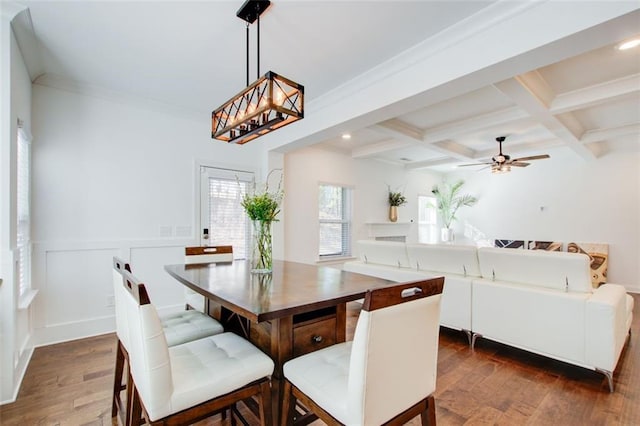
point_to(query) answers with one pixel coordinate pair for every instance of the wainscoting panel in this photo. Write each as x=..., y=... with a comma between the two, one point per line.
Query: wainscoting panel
x=78, y=285
x=75, y=284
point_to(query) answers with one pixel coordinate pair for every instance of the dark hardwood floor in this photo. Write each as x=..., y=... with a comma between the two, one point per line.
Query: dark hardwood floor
x=70, y=383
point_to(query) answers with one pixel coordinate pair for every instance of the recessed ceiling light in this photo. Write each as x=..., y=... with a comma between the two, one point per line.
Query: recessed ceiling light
x=629, y=44
x=346, y=136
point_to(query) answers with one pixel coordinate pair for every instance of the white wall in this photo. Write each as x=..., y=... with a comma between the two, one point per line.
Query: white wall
x=108, y=175
x=15, y=327
x=308, y=167
x=565, y=199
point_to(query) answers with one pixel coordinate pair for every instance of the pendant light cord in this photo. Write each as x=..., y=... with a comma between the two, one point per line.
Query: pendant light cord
x=247, y=54
x=258, y=54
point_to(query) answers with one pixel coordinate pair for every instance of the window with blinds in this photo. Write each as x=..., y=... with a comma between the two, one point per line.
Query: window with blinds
x=427, y=220
x=23, y=239
x=224, y=215
x=334, y=203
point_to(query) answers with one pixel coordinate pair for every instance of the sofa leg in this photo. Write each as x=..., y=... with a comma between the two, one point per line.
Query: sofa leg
x=609, y=376
x=469, y=333
x=474, y=337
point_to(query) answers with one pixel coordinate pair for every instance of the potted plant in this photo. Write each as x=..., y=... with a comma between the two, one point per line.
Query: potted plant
x=449, y=201
x=396, y=199
x=262, y=206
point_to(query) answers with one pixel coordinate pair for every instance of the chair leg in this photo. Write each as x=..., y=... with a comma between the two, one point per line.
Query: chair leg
x=117, y=380
x=266, y=415
x=428, y=416
x=130, y=392
x=135, y=414
x=288, y=405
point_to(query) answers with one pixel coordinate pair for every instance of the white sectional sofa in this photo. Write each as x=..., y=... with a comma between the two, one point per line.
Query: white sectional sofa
x=405, y=262
x=539, y=301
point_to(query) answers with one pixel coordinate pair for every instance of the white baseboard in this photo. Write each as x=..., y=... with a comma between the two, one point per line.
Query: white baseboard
x=25, y=359
x=59, y=333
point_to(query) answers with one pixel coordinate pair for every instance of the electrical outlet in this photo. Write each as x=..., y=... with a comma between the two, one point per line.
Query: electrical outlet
x=111, y=301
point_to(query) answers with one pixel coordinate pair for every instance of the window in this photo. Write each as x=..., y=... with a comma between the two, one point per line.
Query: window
x=23, y=229
x=222, y=214
x=334, y=204
x=427, y=220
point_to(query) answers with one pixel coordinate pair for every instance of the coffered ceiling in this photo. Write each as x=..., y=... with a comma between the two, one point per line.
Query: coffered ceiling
x=190, y=57
x=589, y=103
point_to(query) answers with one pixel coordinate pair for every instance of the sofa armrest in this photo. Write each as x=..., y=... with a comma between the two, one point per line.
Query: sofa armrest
x=605, y=326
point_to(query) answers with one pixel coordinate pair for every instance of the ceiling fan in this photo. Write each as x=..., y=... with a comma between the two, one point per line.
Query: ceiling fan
x=502, y=163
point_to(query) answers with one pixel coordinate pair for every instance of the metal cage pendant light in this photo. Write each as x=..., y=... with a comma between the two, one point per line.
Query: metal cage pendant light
x=269, y=103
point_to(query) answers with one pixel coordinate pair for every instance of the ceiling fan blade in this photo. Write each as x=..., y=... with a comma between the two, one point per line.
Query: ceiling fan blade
x=474, y=164
x=518, y=164
x=533, y=157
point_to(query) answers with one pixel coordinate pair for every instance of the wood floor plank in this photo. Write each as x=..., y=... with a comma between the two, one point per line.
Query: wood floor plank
x=70, y=384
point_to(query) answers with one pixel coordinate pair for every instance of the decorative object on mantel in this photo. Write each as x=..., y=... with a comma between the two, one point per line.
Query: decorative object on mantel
x=449, y=201
x=262, y=207
x=271, y=102
x=396, y=199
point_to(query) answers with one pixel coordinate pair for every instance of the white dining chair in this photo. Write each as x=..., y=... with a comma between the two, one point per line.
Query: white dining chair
x=386, y=375
x=199, y=255
x=178, y=327
x=192, y=381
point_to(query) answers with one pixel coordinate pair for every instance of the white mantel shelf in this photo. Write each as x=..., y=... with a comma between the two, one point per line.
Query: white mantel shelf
x=389, y=229
x=388, y=223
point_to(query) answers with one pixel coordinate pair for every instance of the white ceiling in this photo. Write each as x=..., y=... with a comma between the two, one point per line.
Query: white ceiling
x=191, y=55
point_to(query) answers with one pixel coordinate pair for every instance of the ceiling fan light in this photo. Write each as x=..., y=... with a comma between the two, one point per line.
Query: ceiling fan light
x=499, y=169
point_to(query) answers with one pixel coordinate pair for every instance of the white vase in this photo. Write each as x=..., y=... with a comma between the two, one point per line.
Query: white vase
x=446, y=235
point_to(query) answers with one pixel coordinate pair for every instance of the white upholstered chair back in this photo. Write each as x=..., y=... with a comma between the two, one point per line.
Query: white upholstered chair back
x=194, y=255
x=148, y=351
x=119, y=294
x=393, y=357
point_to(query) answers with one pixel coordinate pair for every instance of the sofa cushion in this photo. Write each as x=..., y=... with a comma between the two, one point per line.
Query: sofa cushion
x=455, y=308
x=390, y=253
x=453, y=259
x=383, y=271
x=555, y=270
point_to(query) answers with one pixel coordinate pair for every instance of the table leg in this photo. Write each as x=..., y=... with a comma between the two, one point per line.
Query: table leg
x=281, y=352
x=341, y=323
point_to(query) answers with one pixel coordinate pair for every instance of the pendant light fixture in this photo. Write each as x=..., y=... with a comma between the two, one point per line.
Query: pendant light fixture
x=270, y=102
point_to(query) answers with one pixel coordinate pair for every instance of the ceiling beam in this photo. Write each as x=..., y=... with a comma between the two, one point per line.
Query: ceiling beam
x=596, y=94
x=599, y=135
x=531, y=93
x=427, y=163
x=403, y=131
x=379, y=148
x=472, y=124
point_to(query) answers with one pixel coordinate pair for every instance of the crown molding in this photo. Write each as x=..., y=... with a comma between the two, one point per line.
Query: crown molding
x=69, y=85
x=10, y=9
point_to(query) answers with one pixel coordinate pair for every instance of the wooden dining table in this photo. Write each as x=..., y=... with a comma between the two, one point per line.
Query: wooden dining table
x=295, y=309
